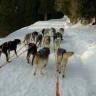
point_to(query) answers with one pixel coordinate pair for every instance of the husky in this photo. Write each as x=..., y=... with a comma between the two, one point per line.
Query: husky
x=28, y=38
x=39, y=57
x=45, y=32
x=62, y=59
x=46, y=41
x=53, y=31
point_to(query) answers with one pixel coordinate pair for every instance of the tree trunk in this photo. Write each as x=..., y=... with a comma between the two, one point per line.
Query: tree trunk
x=95, y=19
x=45, y=17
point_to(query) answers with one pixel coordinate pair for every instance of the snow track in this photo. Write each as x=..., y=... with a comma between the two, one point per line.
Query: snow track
x=17, y=79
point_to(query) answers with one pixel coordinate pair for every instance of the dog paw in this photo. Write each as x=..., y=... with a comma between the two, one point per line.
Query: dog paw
x=34, y=74
x=63, y=76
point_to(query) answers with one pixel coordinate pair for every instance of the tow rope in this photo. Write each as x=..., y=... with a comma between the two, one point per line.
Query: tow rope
x=12, y=59
x=57, y=78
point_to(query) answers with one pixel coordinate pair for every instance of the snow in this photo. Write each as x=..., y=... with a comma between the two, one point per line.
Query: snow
x=17, y=79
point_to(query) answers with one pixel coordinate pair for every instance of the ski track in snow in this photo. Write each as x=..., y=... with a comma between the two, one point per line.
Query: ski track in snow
x=17, y=79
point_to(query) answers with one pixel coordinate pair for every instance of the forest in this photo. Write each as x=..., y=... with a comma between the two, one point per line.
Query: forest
x=15, y=14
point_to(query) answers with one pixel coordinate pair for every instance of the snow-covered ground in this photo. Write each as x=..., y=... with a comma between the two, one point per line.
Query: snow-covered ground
x=17, y=79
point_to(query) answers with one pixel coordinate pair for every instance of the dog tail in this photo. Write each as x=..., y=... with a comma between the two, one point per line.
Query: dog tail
x=67, y=54
x=33, y=59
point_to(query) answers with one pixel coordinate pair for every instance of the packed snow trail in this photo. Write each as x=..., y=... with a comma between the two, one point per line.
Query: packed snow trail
x=17, y=79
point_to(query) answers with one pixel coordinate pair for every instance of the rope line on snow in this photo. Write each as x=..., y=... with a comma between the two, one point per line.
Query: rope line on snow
x=57, y=78
x=57, y=82
x=12, y=59
x=18, y=51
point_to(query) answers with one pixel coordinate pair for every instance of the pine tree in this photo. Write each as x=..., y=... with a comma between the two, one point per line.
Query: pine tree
x=31, y=11
x=87, y=8
x=66, y=7
x=46, y=7
x=9, y=16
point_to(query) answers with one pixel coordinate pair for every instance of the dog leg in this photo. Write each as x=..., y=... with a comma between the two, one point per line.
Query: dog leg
x=40, y=43
x=15, y=52
x=58, y=67
x=42, y=66
x=46, y=62
x=35, y=68
x=64, y=66
x=28, y=57
x=35, y=63
x=8, y=54
x=54, y=47
x=59, y=59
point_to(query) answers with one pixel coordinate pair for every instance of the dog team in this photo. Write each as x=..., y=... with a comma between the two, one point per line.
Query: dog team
x=40, y=57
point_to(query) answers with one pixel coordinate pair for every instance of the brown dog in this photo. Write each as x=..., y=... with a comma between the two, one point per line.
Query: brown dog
x=46, y=41
x=62, y=58
x=39, y=58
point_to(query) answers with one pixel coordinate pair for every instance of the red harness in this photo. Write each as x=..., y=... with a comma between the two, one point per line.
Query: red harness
x=31, y=45
x=5, y=44
x=9, y=44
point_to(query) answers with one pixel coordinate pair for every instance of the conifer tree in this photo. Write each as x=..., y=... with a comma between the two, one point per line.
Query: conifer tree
x=66, y=7
x=88, y=11
x=46, y=7
x=31, y=11
x=9, y=16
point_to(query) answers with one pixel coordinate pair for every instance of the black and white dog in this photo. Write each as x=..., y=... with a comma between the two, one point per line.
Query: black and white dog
x=39, y=40
x=9, y=46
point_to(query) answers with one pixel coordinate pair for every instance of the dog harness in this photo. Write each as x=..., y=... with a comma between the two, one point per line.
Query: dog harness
x=9, y=43
x=62, y=51
x=31, y=45
x=5, y=44
x=40, y=52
